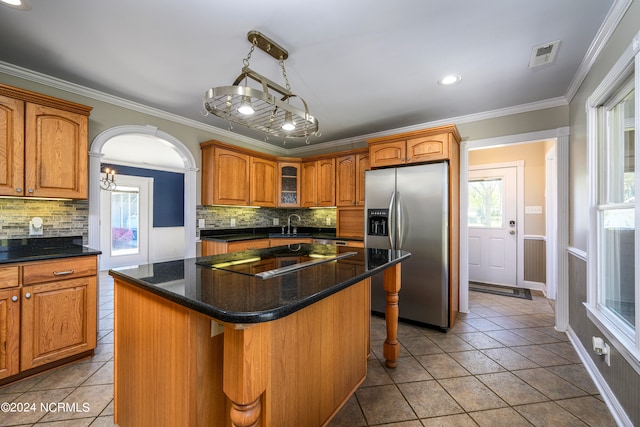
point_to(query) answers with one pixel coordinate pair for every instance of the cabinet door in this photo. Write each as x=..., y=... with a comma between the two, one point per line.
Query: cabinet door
x=9, y=332
x=288, y=184
x=326, y=190
x=346, y=180
x=263, y=182
x=428, y=148
x=362, y=165
x=208, y=179
x=388, y=153
x=231, y=178
x=309, y=174
x=56, y=153
x=11, y=147
x=58, y=320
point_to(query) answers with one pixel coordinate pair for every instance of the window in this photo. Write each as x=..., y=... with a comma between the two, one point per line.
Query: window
x=616, y=208
x=485, y=203
x=124, y=221
x=613, y=294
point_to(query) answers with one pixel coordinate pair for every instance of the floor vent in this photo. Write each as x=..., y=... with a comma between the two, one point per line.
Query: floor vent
x=543, y=54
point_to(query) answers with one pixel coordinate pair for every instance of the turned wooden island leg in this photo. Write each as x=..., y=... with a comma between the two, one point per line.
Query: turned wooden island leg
x=247, y=354
x=391, y=349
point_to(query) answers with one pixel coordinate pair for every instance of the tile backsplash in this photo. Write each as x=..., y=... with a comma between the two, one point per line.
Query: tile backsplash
x=59, y=218
x=221, y=216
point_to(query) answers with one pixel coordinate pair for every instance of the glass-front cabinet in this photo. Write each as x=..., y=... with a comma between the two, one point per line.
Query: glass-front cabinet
x=288, y=184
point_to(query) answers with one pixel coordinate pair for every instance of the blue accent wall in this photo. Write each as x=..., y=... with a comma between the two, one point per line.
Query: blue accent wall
x=168, y=193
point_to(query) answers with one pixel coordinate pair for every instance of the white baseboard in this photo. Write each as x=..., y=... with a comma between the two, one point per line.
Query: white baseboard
x=536, y=286
x=617, y=412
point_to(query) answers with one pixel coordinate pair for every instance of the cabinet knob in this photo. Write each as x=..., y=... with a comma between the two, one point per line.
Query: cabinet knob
x=14, y=298
x=18, y=190
x=31, y=190
x=27, y=295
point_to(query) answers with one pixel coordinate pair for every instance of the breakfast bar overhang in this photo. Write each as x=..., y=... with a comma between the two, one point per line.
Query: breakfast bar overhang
x=269, y=337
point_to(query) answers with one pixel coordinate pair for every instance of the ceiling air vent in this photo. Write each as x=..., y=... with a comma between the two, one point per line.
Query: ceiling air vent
x=543, y=54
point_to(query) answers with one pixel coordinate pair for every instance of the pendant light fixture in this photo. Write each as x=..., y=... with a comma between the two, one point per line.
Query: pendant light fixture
x=257, y=108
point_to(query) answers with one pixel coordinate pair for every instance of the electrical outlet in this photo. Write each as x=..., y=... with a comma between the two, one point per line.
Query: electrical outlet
x=201, y=223
x=276, y=221
x=328, y=221
x=607, y=354
x=233, y=222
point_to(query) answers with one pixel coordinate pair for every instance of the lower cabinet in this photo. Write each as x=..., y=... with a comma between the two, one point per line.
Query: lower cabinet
x=58, y=320
x=48, y=315
x=9, y=332
x=210, y=247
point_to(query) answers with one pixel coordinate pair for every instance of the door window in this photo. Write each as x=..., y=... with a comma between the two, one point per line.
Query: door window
x=486, y=203
x=125, y=210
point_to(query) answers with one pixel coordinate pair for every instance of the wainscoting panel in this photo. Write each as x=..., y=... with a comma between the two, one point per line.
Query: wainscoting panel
x=535, y=259
x=621, y=378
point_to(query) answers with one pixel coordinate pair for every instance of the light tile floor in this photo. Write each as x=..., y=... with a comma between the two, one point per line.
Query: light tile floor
x=502, y=364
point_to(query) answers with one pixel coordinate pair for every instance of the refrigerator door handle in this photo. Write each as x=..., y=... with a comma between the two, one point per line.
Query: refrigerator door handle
x=399, y=224
x=392, y=224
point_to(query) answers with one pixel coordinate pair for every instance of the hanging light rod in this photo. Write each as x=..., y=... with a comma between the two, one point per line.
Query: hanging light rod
x=267, y=45
x=257, y=108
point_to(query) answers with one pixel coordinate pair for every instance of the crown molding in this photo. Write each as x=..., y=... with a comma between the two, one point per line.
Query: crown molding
x=609, y=25
x=228, y=136
x=56, y=83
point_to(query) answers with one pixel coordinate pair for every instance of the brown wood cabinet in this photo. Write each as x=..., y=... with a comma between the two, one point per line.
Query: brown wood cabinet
x=289, y=184
x=289, y=241
x=58, y=320
x=263, y=178
x=231, y=176
x=318, y=183
x=231, y=181
x=212, y=247
x=9, y=332
x=350, y=222
x=43, y=145
x=350, y=179
x=412, y=147
x=47, y=316
x=309, y=185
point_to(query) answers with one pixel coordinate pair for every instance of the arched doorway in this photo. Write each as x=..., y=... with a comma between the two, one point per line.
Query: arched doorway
x=163, y=141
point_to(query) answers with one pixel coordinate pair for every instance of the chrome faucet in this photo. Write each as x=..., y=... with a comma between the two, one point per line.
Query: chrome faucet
x=289, y=223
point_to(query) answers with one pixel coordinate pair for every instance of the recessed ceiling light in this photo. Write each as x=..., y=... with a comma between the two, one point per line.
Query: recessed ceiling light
x=450, y=79
x=16, y=4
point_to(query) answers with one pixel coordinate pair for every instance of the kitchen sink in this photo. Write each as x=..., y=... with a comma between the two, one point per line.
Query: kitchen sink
x=291, y=236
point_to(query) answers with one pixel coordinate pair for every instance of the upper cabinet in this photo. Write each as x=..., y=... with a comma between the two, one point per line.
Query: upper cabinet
x=413, y=147
x=233, y=177
x=318, y=183
x=350, y=179
x=263, y=177
x=43, y=145
x=289, y=184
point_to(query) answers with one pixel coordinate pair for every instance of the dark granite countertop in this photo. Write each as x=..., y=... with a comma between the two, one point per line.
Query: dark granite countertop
x=225, y=286
x=42, y=248
x=238, y=234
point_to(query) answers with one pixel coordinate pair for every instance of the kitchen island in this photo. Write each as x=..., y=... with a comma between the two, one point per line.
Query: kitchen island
x=269, y=337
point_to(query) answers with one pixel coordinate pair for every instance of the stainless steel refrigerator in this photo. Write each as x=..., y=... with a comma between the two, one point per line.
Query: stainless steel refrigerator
x=407, y=208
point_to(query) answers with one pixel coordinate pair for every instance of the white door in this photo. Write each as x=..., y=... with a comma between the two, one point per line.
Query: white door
x=492, y=226
x=124, y=222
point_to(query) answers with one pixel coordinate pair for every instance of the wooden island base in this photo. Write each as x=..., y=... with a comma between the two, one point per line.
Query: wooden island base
x=174, y=367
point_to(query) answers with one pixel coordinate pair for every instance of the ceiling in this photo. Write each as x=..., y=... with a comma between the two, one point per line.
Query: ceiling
x=363, y=66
